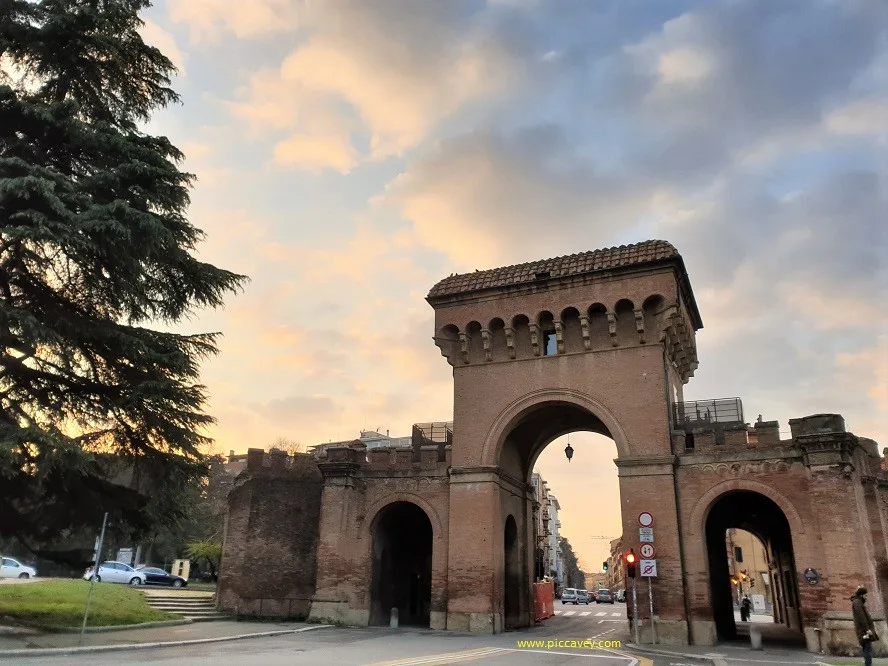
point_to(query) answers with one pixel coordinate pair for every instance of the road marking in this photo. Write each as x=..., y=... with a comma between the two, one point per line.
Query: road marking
x=600, y=614
x=558, y=612
x=568, y=613
x=616, y=615
x=446, y=658
x=585, y=613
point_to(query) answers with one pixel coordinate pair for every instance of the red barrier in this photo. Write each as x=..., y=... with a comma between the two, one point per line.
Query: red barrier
x=543, y=600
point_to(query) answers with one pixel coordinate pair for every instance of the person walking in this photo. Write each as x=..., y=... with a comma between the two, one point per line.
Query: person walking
x=863, y=625
x=745, y=609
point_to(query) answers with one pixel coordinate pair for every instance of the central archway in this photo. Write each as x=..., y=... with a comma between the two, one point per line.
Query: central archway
x=401, y=565
x=527, y=435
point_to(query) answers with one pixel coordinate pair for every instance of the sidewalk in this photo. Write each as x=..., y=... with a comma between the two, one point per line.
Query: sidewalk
x=23, y=639
x=740, y=654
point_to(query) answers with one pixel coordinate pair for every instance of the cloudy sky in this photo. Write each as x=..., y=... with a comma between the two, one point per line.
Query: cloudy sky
x=350, y=154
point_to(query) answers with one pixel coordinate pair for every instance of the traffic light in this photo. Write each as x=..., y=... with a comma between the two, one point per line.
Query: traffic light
x=630, y=563
x=604, y=566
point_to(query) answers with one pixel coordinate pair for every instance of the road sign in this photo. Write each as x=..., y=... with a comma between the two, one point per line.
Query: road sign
x=646, y=534
x=647, y=551
x=649, y=568
x=645, y=519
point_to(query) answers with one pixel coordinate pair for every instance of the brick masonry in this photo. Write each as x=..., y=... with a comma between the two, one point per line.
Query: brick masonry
x=624, y=335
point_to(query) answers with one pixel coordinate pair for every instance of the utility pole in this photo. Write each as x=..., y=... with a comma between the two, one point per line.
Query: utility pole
x=95, y=575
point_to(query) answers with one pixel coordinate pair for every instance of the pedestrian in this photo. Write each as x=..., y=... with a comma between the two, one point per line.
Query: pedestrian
x=863, y=625
x=745, y=609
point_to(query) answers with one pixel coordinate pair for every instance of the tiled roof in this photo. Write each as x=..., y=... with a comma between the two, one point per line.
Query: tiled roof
x=559, y=267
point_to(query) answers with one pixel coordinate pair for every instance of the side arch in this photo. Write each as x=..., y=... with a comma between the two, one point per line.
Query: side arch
x=379, y=505
x=508, y=417
x=704, y=504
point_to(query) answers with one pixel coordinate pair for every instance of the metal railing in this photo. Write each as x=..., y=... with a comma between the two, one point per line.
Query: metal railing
x=701, y=413
x=438, y=434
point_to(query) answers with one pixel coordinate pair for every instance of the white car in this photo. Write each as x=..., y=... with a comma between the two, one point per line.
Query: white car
x=116, y=572
x=10, y=568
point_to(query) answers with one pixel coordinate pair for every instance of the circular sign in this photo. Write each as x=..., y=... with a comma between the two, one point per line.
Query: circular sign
x=647, y=551
x=812, y=576
x=645, y=519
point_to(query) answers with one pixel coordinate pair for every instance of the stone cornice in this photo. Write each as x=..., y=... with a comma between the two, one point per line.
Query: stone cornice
x=646, y=466
x=486, y=473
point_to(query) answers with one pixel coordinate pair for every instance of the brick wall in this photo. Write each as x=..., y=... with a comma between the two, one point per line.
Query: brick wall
x=269, y=555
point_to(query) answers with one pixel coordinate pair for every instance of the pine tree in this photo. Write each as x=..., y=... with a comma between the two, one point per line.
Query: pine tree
x=96, y=264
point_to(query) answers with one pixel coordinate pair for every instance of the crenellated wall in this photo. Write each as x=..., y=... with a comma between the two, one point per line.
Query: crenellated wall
x=269, y=552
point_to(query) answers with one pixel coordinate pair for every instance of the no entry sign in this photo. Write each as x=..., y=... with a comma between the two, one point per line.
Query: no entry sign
x=647, y=551
x=645, y=519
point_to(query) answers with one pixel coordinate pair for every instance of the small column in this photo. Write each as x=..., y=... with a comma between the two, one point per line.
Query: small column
x=559, y=336
x=612, y=328
x=584, y=325
x=535, y=339
x=485, y=339
x=510, y=341
x=464, y=347
x=639, y=324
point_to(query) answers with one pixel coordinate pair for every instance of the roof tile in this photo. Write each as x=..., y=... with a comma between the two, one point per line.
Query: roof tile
x=557, y=267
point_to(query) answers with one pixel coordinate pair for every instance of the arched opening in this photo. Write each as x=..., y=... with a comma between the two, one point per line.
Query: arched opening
x=512, y=575
x=401, y=565
x=572, y=331
x=476, y=344
x=498, y=346
x=626, y=330
x=560, y=540
x=521, y=341
x=738, y=523
x=548, y=341
x=599, y=335
x=448, y=341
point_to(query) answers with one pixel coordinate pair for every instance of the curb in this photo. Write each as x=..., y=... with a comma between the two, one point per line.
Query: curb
x=123, y=627
x=52, y=652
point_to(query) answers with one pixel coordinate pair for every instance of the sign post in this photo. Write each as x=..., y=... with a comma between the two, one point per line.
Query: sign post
x=648, y=567
x=92, y=581
x=651, y=598
x=635, y=611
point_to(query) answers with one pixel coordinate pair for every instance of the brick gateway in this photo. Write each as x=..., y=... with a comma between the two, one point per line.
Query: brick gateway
x=602, y=341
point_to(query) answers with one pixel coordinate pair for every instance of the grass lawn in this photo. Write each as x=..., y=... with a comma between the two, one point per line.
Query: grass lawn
x=58, y=604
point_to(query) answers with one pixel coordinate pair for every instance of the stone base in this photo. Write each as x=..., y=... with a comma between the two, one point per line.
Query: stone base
x=476, y=623
x=338, y=612
x=703, y=632
x=668, y=632
x=438, y=620
x=837, y=637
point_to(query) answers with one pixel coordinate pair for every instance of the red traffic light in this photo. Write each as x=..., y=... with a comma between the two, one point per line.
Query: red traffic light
x=630, y=558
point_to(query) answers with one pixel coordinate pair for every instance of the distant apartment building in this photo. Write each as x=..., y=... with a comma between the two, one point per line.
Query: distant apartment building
x=748, y=567
x=548, y=562
x=616, y=571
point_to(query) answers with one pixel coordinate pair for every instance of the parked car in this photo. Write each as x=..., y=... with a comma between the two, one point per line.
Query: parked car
x=10, y=568
x=569, y=596
x=115, y=572
x=604, y=597
x=157, y=576
x=583, y=597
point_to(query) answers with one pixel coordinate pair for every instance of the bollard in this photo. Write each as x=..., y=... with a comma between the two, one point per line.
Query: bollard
x=755, y=637
x=393, y=619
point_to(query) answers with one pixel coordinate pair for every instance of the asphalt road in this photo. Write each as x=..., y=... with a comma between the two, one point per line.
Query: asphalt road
x=591, y=636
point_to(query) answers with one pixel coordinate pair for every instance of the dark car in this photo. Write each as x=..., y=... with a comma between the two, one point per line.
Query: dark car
x=156, y=576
